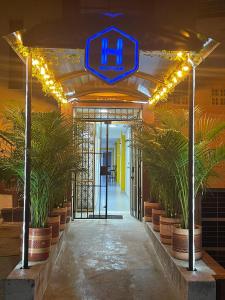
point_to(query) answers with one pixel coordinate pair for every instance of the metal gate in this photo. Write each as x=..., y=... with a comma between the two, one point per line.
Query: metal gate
x=90, y=187
x=136, y=203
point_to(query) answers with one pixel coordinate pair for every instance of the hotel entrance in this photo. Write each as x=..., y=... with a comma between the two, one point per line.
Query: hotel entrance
x=110, y=183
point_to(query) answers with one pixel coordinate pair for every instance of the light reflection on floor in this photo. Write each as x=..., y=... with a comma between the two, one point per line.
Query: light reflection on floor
x=117, y=201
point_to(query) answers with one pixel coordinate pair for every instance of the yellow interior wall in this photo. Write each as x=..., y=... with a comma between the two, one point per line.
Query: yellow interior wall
x=118, y=161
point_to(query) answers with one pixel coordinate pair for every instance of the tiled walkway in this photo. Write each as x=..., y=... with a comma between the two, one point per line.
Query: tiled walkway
x=108, y=259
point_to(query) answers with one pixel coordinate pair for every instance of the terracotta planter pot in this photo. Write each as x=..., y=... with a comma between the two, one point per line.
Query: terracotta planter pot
x=69, y=211
x=180, y=243
x=39, y=243
x=62, y=211
x=148, y=206
x=156, y=213
x=54, y=221
x=166, y=229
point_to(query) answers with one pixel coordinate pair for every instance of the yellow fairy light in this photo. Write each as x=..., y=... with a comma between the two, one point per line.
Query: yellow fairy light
x=35, y=62
x=18, y=35
x=185, y=68
x=161, y=92
x=179, y=73
x=42, y=71
x=174, y=79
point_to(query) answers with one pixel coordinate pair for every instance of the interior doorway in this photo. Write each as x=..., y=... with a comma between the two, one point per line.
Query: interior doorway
x=113, y=140
x=108, y=186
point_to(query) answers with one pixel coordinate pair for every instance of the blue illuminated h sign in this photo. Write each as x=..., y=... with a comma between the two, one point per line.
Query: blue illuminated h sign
x=111, y=55
x=118, y=52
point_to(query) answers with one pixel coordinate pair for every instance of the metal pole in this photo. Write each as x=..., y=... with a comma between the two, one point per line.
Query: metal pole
x=107, y=165
x=191, y=174
x=27, y=163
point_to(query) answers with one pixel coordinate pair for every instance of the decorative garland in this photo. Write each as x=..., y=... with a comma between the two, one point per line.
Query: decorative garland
x=41, y=70
x=163, y=90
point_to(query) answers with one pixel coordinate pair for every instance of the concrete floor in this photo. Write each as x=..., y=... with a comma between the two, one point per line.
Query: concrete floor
x=108, y=259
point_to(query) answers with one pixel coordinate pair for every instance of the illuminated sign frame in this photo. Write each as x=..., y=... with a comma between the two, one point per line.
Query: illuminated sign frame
x=100, y=74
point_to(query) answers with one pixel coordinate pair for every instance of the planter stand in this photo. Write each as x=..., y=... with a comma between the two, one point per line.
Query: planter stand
x=31, y=283
x=189, y=285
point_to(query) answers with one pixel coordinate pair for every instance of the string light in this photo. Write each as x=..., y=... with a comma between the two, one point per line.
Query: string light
x=41, y=71
x=185, y=68
x=174, y=79
x=35, y=62
x=179, y=73
x=161, y=92
x=18, y=35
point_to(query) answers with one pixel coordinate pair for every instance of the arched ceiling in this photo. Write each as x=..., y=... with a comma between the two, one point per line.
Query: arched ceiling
x=79, y=84
x=71, y=82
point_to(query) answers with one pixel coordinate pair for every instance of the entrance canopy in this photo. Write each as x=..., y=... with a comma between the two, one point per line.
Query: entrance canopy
x=58, y=52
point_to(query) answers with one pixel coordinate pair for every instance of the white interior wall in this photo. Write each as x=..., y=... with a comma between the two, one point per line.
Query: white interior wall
x=128, y=157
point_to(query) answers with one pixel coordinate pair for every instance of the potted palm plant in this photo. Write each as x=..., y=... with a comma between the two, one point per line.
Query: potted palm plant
x=158, y=157
x=207, y=157
x=165, y=151
x=67, y=161
x=209, y=152
x=51, y=135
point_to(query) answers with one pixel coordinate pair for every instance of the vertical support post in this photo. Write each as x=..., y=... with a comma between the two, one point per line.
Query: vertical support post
x=191, y=173
x=27, y=163
x=73, y=195
x=107, y=165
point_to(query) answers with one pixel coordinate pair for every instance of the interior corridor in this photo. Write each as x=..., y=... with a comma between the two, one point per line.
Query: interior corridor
x=108, y=259
x=117, y=201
